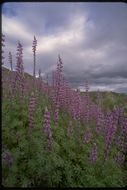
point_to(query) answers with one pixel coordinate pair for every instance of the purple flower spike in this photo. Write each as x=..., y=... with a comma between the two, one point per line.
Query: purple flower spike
x=2, y=43
x=119, y=158
x=93, y=154
x=19, y=78
x=47, y=128
x=32, y=104
x=34, y=51
x=87, y=137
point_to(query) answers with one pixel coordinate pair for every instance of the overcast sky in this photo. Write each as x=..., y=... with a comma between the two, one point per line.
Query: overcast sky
x=91, y=39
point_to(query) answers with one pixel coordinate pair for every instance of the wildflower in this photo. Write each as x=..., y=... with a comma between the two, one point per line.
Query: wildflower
x=47, y=128
x=34, y=51
x=87, y=112
x=119, y=158
x=58, y=89
x=57, y=112
x=19, y=78
x=87, y=137
x=32, y=104
x=109, y=133
x=78, y=105
x=2, y=43
x=93, y=154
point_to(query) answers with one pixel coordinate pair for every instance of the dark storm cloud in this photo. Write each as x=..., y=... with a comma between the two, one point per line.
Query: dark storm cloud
x=111, y=71
x=122, y=89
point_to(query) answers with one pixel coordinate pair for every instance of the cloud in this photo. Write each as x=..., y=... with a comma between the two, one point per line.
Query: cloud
x=90, y=37
x=14, y=29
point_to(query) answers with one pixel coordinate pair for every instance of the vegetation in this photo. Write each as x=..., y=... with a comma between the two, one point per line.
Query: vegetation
x=53, y=136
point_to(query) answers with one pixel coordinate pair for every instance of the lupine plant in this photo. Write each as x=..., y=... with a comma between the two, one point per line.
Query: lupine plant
x=32, y=104
x=93, y=153
x=3, y=45
x=47, y=128
x=34, y=54
x=19, y=78
x=10, y=61
x=60, y=137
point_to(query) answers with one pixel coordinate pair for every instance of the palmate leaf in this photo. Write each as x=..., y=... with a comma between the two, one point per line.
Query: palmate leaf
x=77, y=170
x=57, y=177
x=57, y=160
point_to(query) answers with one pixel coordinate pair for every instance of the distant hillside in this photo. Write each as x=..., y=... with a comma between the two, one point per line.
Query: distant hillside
x=6, y=72
x=109, y=98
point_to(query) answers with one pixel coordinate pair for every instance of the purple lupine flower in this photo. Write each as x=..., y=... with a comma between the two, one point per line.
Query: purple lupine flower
x=93, y=111
x=67, y=92
x=7, y=158
x=87, y=136
x=58, y=75
x=121, y=139
x=99, y=120
x=10, y=61
x=121, y=143
x=3, y=40
x=69, y=129
x=93, y=153
x=78, y=105
x=87, y=112
x=34, y=51
x=56, y=114
x=62, y=92
x=83, y=107
x=109, y=133
x=73, y=105
x=125, y=126
x=32, y=105
x=118, y=141
x=58, y=84
x=120, y=158
x=59, y=68
x=47, y=128
x=19, y=77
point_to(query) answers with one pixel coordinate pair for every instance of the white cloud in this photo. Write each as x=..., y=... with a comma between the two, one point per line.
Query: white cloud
x=14, y=29
x=68, y=37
